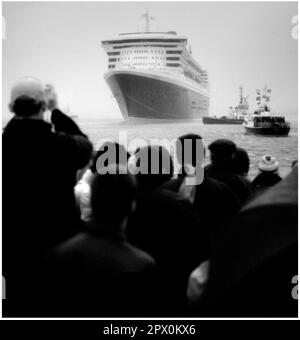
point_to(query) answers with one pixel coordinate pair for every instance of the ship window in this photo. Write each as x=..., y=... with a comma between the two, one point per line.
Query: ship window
x=173, y=58
x=173, y=52
x=173, y=65
x=111, y=66
x=115, y=42
x=112, y=59
x=113, y=53
x=130, y=46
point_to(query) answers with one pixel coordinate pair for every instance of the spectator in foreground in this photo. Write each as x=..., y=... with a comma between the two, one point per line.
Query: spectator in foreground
x=213, y=201
x=39, y=173
x=165, y=226
x=241, y=162
x=100, y=273
x=83, y=187
x=254, y=262
x=268, y=174
x=222, y=168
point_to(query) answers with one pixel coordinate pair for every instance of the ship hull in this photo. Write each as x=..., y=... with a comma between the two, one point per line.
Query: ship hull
x=146, y=96
x=229, y=121
x=284, y=131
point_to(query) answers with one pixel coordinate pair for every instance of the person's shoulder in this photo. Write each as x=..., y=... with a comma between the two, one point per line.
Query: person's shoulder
x=208, y=167
x=173, y=184
x=215, y=186
x=155, y=195
x=283, y=193
x=69, y=247
x=139, y=255
x=243, y=179
x=19, y=127
x=174, y=200
x=212, y=183
x=259, y=175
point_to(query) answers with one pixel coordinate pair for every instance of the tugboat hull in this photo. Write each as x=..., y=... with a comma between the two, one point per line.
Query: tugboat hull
x=282, y=131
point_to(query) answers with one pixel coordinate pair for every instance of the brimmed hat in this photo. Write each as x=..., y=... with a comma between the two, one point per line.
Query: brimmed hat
x=28, y=87
x=268, y=163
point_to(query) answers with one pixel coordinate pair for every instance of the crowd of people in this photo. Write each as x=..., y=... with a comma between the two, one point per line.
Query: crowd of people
x=81, y=242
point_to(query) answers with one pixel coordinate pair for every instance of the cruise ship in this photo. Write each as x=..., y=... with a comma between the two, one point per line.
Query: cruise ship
x=152, y=75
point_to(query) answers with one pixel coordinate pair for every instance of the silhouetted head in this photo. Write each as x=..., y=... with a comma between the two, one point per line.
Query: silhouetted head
x=27, y=99
x=153, y=166
x=222, y=150
x=112, y=153
x=241, y=161
x=112, y=197
x=187, y=152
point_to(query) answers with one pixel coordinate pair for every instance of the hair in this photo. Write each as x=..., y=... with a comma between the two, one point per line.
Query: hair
x=241, y=161
x=222, y=150
x=27, y=107
x=112, y=196
x=163, y=174
x=119, y=149
x=180, y=149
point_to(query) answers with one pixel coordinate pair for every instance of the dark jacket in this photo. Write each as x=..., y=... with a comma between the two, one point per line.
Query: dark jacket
x=98, y=273
x=39, y=211
x=240, y=185
x=165, y=226
x=214, y=201
x=265, y=180
x=255, y=259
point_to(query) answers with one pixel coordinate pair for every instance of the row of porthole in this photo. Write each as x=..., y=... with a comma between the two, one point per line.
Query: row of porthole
x=143, y=51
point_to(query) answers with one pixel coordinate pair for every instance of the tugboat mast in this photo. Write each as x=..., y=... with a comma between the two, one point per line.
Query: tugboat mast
x=263, y=99
x=243, y=105
x=241, y=94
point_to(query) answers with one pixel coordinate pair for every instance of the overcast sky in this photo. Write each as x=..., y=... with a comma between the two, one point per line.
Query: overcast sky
x=237, y=42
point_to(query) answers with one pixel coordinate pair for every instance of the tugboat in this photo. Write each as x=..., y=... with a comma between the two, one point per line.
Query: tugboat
x=262, y=122
x=236, y=115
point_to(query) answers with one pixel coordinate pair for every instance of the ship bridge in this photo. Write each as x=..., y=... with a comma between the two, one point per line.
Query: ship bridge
x=145, y=50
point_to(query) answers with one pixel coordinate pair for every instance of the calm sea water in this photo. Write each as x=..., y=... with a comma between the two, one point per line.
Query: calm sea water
x=284, y=148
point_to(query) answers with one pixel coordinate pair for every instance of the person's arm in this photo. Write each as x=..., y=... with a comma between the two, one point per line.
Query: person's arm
x=74, y=143
x=77, y=149
x=63, y=123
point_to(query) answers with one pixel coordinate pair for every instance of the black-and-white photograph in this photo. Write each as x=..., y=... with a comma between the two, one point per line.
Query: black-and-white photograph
x=149, y=160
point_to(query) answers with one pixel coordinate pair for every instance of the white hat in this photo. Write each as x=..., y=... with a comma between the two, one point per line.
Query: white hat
x=268, y=163
x=28, y=87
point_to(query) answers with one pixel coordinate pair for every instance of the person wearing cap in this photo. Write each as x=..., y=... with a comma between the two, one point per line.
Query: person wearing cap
x=40, y=161
x=268, y=173
x=223, y=168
